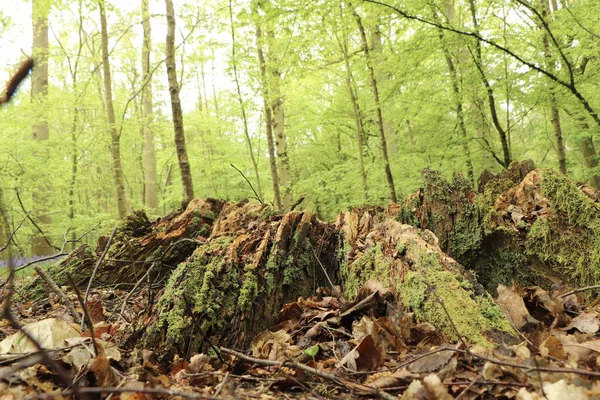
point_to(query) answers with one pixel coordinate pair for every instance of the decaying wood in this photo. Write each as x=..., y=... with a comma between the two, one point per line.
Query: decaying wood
x=227, y=269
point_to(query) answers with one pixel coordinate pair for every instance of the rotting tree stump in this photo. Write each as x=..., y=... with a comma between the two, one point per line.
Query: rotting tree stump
x=233, y=286
x=138, y=245
x=526, y=226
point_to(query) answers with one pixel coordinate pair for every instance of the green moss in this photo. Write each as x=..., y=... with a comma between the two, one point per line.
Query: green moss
x=423, y=290
x=373, y=264
x=466, y=238
x=249, y=289
x=568, y=241
x=207, y=284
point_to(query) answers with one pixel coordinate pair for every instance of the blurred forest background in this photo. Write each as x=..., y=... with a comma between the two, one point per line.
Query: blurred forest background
x=145, y=104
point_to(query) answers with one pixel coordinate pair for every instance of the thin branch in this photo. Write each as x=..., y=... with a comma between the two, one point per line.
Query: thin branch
x=568, y=85
x=249, y=184
x=89, y=286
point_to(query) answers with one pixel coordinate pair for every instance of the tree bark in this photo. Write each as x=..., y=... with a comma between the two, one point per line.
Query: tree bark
x=281, y=141
x=268, y=118
x=382, y=79
x=149, y=155
x=380, y=125
x=40, y=245
x=182, y=157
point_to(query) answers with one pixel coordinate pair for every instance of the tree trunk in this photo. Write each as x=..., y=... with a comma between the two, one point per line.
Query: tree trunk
x=268, y=118
x=241, y=101
x=506, y=159
x=551, y=66
x=460, y=118
x=149, y=155
x=382, y=79
x=40, y=245
x=281, y=141
x=182, y=157
x=586, y=145
x=115, y=143
x=360, y=134
x=380, y=125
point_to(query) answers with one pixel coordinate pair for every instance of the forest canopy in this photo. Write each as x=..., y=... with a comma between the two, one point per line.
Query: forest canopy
x=148, y=104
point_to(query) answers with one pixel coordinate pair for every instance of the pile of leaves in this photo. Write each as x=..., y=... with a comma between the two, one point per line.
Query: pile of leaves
x=321, y=347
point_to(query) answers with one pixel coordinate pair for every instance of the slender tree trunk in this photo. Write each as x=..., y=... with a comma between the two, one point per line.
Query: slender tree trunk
x=458, y=103
x=382, y=79
x=380, y=126
x=74, y=168
x=182, y=157
x=241, y=101
x=39, y=93
x=115, y=136
x=281, y=141
x=149, y=154
x=268, y=118
x=506, y=160
x=553, y=102
x=357, y=116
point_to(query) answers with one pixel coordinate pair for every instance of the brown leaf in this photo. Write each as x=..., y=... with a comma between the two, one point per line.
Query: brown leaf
x=370, y=356
x=432, y=363
x=586, y=322
x=513, y=305
x=553, y=347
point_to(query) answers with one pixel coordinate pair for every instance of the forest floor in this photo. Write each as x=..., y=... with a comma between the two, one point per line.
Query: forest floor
x=328, y=345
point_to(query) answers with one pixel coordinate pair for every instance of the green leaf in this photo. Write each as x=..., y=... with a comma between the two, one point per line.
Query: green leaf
x=312, y=351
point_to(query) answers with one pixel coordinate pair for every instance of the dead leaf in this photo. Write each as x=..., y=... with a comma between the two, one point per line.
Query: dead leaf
x=513, y=305
x=50, y=333
x=586, y=322
x=431, y=388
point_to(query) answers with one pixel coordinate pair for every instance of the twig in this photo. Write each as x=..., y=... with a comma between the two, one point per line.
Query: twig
x=137, y=284
x=291, y=364
x=215, y=349
x=16, y=79
x=583, y=289
x=28, y=214
x=249, y=184
x=13, y=233
x=89, y=286
x=41, y=260
x=96, y=390
x=464, y=392
x=54, y=287
x=86, y=314
x=222, y=384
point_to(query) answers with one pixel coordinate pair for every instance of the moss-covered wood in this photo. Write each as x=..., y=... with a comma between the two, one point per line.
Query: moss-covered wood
x=228, y=269
x=137, y=245
x=529, y=226
x=234, y=285
x=409, y=261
